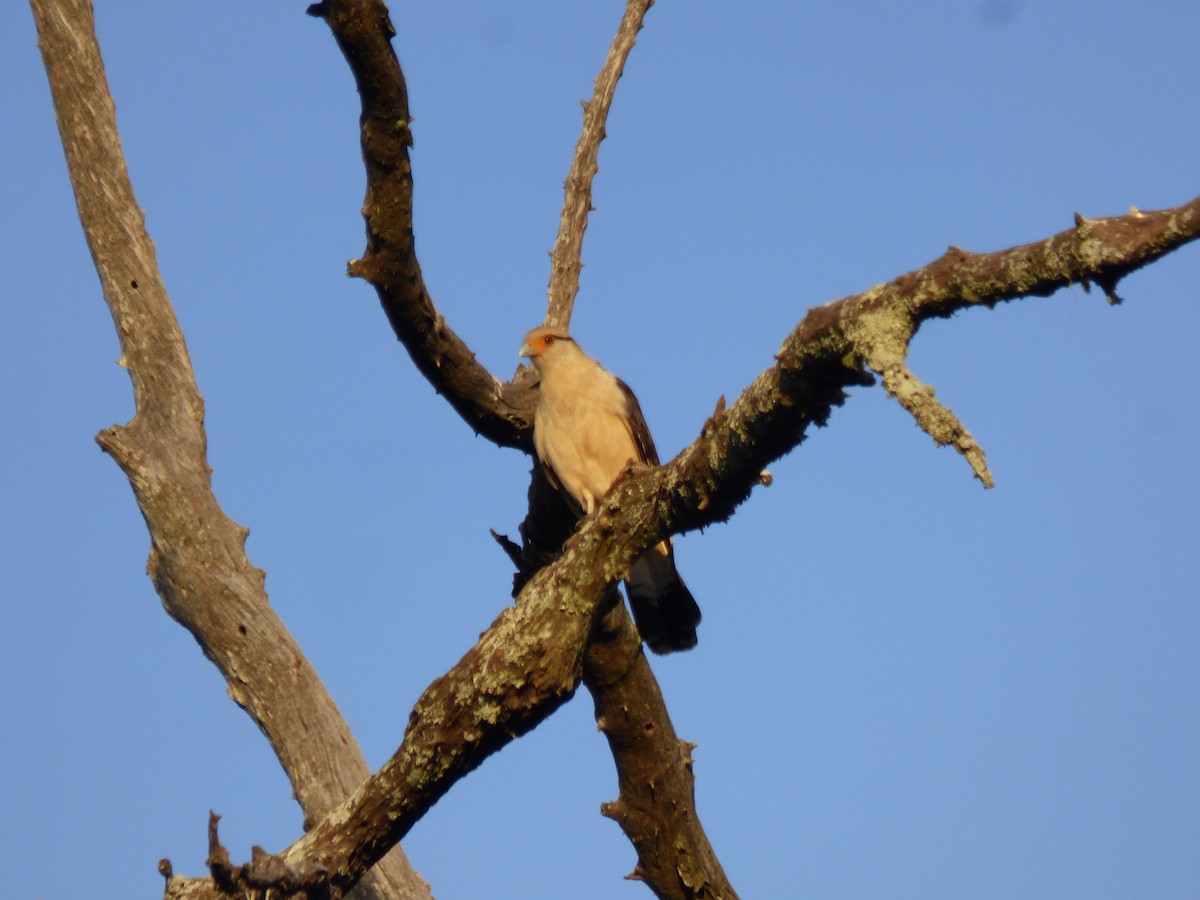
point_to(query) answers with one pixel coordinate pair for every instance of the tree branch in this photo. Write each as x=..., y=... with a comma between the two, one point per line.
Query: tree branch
x=197, y=557
x=880, y=323
x=566, y=259
x=500, y=411
x=656, y=807
x=526, y=665
x=657, y=804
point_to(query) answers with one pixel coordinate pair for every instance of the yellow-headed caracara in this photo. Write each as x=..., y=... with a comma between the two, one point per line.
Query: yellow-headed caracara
x=587, y=428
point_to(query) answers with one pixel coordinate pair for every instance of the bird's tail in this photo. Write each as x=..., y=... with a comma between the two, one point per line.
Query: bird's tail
x=663, y=608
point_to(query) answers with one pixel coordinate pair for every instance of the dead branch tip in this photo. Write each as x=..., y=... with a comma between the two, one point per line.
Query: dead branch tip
x=218, y=862
x=509, y=546
x=882, y=339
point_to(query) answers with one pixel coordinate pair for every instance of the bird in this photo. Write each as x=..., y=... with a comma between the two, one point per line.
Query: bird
x=587, y=429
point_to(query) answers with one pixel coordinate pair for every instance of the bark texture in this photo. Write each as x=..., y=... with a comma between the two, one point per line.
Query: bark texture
x=197, y=554
x=656, y=807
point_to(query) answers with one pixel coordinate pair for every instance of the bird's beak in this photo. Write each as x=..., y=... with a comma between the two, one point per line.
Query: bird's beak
x=526, y=352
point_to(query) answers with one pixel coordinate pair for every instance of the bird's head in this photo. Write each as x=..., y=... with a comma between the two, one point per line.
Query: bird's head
x=542, y=341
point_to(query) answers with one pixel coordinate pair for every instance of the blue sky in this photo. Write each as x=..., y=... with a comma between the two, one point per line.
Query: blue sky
x=906, y=686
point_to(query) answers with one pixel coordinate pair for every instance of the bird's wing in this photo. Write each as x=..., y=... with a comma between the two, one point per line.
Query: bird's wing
x=638, y=430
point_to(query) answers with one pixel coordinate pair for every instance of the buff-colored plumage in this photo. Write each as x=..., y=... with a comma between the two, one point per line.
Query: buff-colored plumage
x=587, y=429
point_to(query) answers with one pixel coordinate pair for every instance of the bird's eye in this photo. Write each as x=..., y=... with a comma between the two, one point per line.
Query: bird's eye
x=548, y=340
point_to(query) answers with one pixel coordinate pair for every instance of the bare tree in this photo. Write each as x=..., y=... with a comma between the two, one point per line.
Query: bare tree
x=567, y=627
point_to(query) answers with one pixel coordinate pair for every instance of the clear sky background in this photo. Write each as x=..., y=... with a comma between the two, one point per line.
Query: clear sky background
x=906, y=686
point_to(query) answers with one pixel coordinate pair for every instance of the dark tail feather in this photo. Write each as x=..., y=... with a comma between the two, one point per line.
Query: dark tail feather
x=663, y=608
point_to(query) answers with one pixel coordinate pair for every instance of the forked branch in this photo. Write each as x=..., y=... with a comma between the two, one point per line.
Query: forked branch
x=489, y=697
